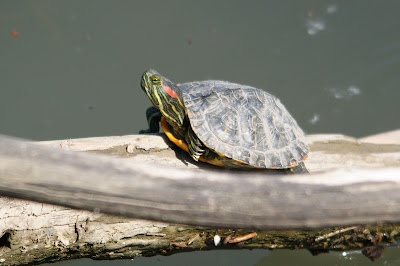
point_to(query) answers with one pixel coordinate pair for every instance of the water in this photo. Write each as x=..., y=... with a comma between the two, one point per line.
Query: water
x=74, y=69
x=71, y=69
x=256, y=257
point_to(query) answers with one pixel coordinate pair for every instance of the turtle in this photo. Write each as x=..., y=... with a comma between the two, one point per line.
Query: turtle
x=225, y=124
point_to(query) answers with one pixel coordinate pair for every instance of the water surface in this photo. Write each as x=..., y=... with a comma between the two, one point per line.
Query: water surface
x=71, y=69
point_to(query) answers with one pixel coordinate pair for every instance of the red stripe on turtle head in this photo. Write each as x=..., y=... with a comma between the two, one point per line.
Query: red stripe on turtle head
x=170, y=91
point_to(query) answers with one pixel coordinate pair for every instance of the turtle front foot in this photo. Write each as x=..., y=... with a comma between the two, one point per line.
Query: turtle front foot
x=153, y=116
x=145, y=131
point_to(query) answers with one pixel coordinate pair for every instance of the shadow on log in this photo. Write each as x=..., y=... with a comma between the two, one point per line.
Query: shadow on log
x=352, y=183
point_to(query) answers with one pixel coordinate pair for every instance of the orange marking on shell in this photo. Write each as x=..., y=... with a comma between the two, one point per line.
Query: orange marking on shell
x=170, y=91
x=178, y=142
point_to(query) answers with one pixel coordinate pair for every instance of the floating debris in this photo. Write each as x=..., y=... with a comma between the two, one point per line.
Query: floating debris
x=353, y=90
x=330, y=9
x=315, y=26
x=373, y=252
x=314, y=119
x=347, y=94
x=14, y=34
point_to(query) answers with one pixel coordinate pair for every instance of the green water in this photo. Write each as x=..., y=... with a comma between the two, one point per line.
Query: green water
x=74, y=68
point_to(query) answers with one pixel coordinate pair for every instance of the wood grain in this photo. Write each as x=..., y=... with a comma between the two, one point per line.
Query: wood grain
x=351, y=183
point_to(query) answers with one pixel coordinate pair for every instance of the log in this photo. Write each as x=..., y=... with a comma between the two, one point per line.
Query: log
x=345, y=187
x=37, y=233
x=146, y=177
x=390, y=137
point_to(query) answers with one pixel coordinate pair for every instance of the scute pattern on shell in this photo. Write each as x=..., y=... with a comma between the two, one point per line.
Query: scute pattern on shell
x=244, y=123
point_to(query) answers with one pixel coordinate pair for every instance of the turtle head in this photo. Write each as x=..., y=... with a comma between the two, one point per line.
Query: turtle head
x=165, y=95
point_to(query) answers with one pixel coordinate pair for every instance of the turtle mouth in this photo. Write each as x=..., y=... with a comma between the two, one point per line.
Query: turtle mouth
x=150, y=92
x=144, y=82
x=146, y=88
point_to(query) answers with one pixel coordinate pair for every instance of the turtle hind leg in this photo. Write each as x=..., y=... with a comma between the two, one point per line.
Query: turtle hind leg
x=299, y=169
x=153, y=119
x=196, y=148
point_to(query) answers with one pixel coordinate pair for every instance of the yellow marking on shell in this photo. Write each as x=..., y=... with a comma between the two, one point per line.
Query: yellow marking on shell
x=182, y=144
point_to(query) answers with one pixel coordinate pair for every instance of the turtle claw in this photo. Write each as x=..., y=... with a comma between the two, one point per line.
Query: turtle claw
x=195, y=151
x=195, y=145
x=144, y=131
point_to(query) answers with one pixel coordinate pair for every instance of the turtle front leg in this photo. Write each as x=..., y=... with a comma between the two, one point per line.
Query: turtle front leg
x=153, y=119
x=196, y=148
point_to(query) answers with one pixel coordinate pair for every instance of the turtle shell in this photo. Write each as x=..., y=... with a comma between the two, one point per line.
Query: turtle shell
x=244, y=123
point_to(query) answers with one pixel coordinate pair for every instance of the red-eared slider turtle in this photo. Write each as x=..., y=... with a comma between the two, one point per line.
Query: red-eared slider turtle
x=225, y=124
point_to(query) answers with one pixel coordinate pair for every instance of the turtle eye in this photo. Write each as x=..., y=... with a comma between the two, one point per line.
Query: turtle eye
x=155, y=79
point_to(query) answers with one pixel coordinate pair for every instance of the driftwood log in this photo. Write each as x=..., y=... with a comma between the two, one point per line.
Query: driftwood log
x=354, y=185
